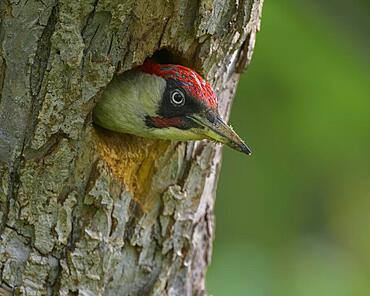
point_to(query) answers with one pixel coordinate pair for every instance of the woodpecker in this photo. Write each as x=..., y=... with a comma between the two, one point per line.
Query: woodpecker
x=164, y=101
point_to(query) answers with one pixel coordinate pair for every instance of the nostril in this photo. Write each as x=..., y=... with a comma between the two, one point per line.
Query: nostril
x=211, y=117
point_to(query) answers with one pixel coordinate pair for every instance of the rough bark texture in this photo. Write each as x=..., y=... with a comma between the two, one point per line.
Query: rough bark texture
x=84, y=211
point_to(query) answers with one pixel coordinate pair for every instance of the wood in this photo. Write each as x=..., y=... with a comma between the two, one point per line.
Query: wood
x=88, y=212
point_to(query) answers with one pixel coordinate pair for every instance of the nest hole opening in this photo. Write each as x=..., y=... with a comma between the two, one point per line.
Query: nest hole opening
x=131, y=158
x=170, y=56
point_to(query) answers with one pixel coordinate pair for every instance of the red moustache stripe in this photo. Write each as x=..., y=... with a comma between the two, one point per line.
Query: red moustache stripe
x=161, y=122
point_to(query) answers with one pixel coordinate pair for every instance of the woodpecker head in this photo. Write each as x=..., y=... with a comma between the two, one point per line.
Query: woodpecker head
x=164, y=101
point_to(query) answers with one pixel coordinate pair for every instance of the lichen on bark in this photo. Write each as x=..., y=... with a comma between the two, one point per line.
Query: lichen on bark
x=84, y=211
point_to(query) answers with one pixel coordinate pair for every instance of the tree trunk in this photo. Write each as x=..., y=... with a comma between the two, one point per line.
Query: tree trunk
x=84, y=211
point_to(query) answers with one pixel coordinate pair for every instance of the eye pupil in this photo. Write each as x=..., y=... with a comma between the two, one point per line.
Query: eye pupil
x=177, y=98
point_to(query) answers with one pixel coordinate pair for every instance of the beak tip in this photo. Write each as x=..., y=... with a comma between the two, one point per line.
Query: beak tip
x=241, y=147
x=215, y=129
x=245, y=149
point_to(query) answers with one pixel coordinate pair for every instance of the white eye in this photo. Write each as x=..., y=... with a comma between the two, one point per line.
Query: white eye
x=177, y=98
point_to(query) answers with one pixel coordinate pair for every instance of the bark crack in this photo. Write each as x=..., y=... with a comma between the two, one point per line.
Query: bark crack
x=42, y=55
x=47, y=149
x=90, y=17
x=12, y=191
x=89, y=20
x=2, y=72
x=38, y=70
x=28, y=239
x=163, y=32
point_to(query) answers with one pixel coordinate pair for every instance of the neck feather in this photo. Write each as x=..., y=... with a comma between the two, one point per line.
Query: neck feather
x=127, y=100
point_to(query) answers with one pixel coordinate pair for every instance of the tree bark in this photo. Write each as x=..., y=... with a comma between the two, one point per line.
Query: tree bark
x=88, y=212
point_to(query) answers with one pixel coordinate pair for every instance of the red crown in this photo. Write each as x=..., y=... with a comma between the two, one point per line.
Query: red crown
x=193, y=83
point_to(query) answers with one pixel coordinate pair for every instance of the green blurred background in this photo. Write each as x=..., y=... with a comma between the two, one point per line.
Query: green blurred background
x=294, y=218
